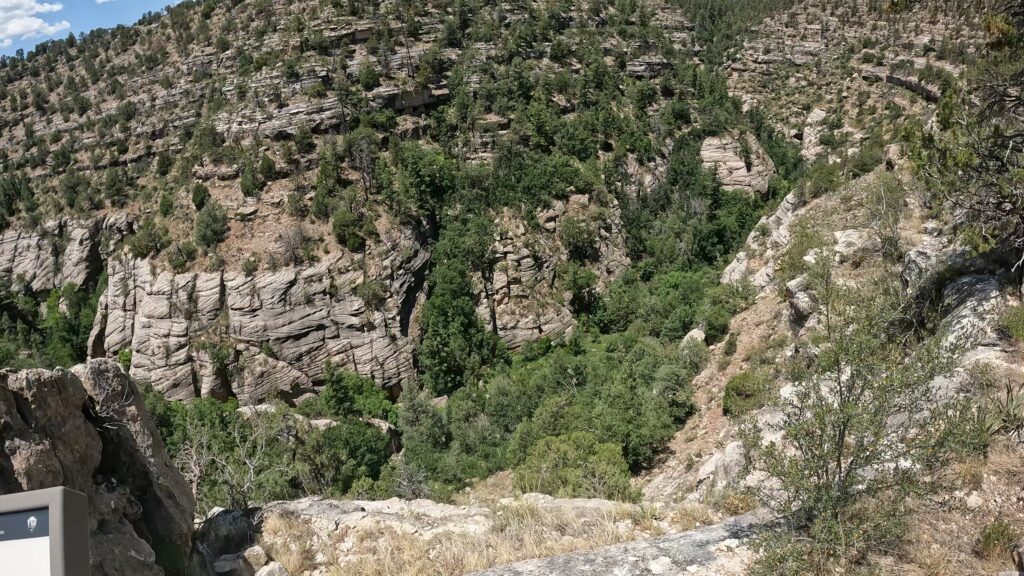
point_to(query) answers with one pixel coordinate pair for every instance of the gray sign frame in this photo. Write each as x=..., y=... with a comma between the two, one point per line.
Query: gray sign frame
x=69, y=526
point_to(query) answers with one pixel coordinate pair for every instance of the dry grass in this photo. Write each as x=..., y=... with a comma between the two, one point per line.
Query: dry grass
x=690, y=515
x=732, y=501
x=647, y=518
x=520, y=531
x=290, y=541
x=944, y=538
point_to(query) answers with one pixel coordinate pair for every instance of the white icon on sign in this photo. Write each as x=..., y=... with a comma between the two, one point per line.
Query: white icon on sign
x=32, y=524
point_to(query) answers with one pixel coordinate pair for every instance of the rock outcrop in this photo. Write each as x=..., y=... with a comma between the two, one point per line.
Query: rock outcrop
x=62, y=252
x=87, y=429
x=271, y=333
x=422, y=536
x=523, y=302
x=276, y=330
x=810, y=145
x=739, y=161
x=764, y=244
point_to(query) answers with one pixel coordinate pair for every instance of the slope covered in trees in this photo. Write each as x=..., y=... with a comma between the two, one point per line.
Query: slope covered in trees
x=245, y=138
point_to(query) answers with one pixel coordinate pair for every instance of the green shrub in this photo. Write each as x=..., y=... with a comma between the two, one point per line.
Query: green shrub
x=579, y=238
x=580, y=282
x=455, y=348
x=576, y=465
x=124, y=358
x=997, y=540
x=730, y=345
x=803, y=239
x=180, y=255
x=166, y=204
x=347, y=229
x=329, y=462
x=744, y=392
x=211, y=225
x=200, y=195
x=150, y=238
x=1012, y=323
x=369, y=77
x=349, y=394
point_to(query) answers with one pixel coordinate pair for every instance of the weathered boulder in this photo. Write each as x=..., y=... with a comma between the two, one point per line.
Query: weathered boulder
x=272, y=569
x=766, y=241
x=337, y=518
x=851, y=245
x=87, y=429
x=722, y=468
x=973, y=304
x=801, y=302
x=256, y=556
x=695, y=335
x=928, y=261
x=736, y=271
x=739, y=161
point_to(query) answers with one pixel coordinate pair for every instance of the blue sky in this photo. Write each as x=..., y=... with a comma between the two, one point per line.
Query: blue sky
x=25, y=23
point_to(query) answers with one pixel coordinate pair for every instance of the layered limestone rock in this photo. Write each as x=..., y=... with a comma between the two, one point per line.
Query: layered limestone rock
x=266, y=334
x=227, y=334
x=87, y=429
x=739, y=161
x=62, y=252
x=818, y=58
x=810, y=145
x=523, y=301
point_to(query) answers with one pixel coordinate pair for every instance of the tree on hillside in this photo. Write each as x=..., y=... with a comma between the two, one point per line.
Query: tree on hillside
x=861, y=431
x=975, y=161
x=211, y=225
x=363, y=146
x=455, y=348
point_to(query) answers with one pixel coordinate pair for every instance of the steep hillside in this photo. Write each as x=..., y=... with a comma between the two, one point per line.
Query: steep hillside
x=230, y=149
x=678, y=287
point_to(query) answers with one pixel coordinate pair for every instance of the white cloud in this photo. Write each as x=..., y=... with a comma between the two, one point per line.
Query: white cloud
x=19, y=20
x=103, y=1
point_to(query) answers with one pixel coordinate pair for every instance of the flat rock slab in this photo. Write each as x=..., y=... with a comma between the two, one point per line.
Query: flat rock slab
x=677, y=554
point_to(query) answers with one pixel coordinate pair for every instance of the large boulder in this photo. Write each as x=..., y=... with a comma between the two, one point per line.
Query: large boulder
x=87, y=429
x=811, y=146
x=852, y=245
x=973, y=305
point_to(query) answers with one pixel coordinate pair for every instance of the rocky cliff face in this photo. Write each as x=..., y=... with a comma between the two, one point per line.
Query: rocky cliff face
x=847, y=62
x=87, y=429
x=971, y=295
x=66, y=251
x=270, y=333
x=739, y=161
x=273, y=330
x=523, y=301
